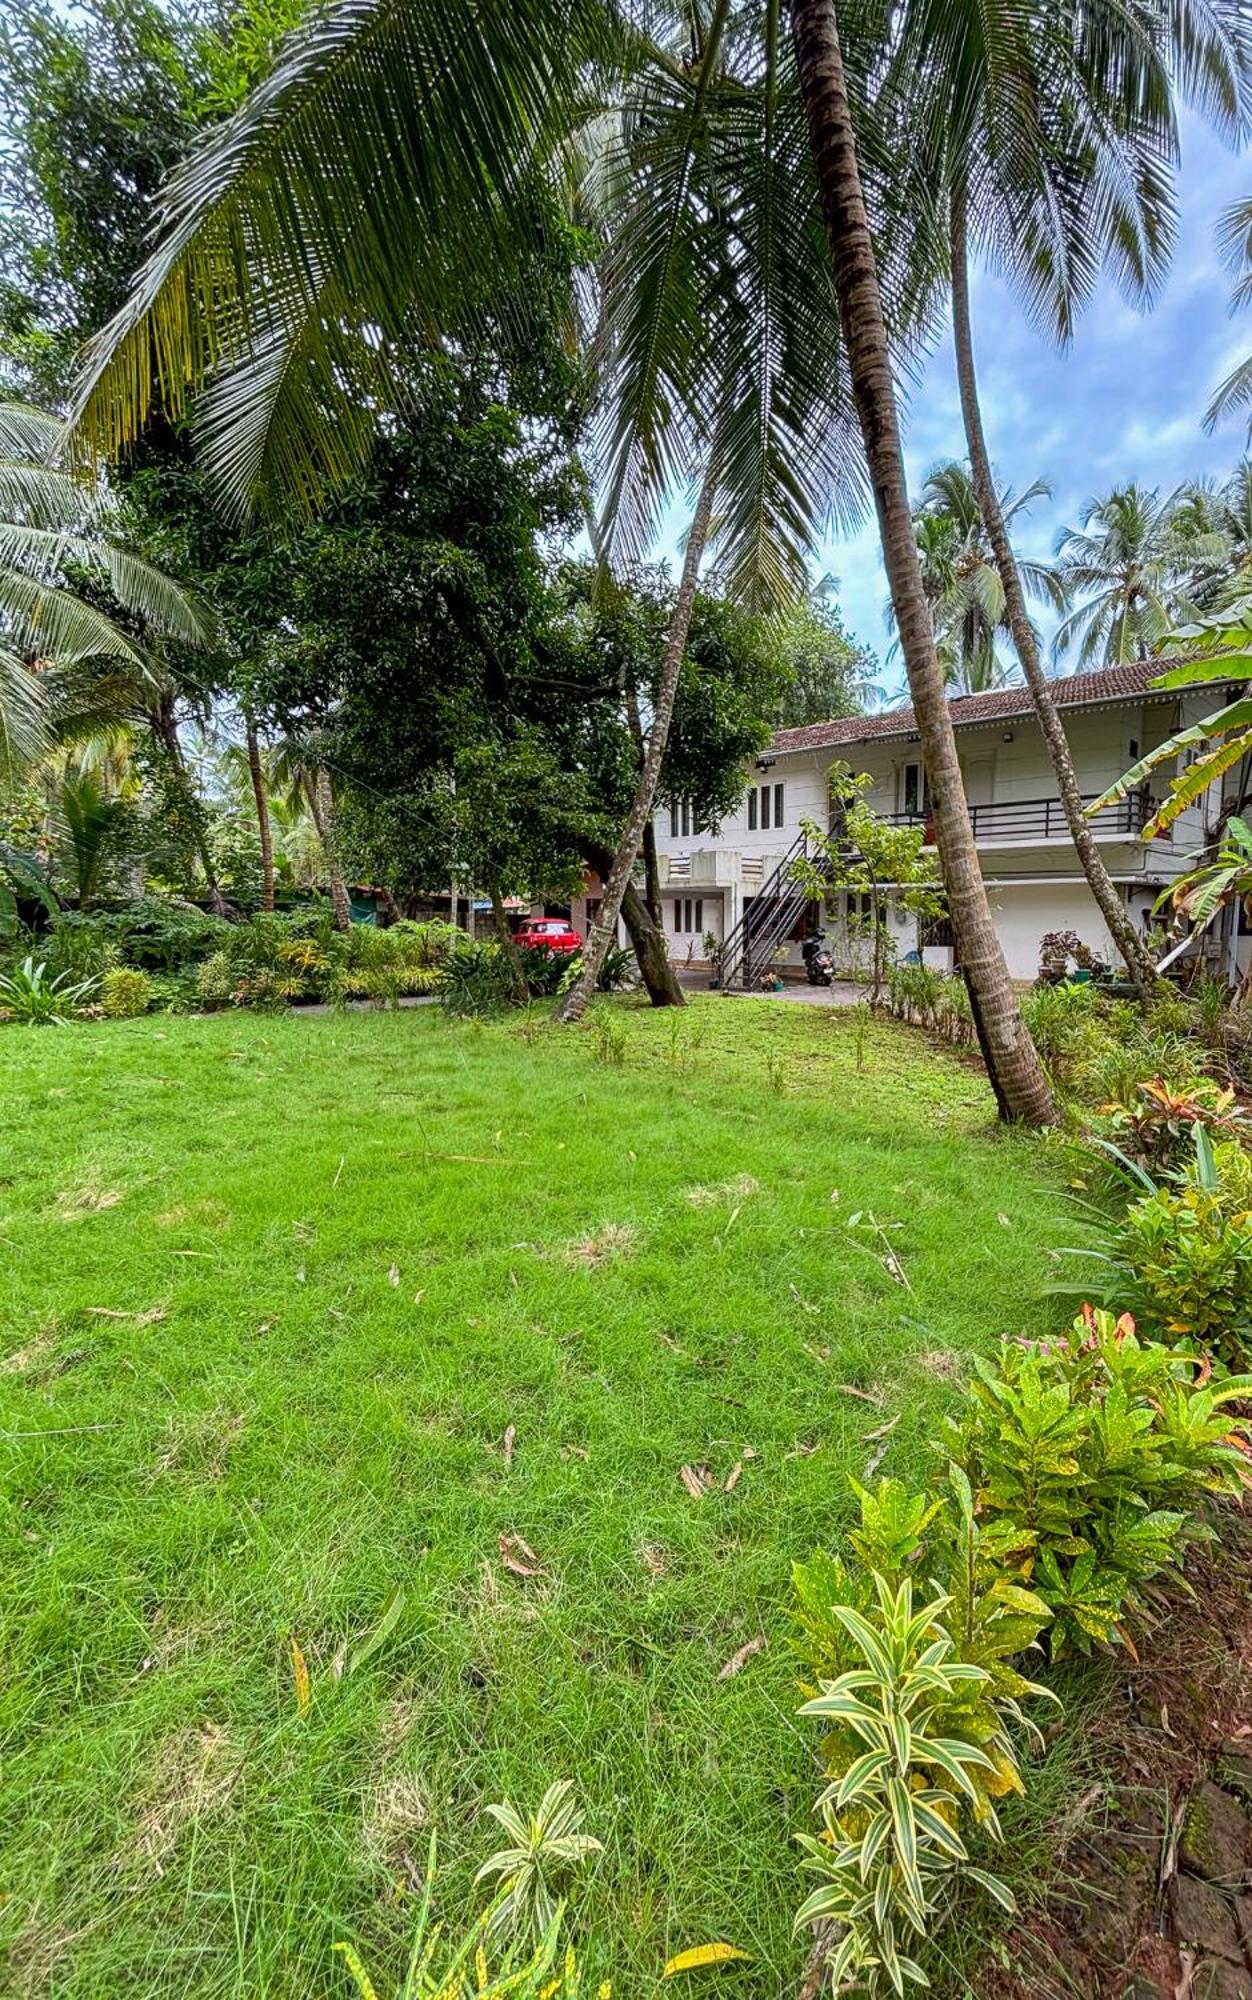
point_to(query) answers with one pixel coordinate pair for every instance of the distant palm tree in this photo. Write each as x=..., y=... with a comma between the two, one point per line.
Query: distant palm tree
x=1126, y=571
x=963, y=584
x=1217, y=521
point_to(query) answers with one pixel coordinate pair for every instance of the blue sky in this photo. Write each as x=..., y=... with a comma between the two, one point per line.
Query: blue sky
x=1126, y=401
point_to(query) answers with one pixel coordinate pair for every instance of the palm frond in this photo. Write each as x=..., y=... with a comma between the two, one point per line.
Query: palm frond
x=386, y=152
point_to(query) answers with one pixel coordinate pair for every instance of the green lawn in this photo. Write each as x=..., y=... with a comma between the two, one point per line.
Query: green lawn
x=275, y=1290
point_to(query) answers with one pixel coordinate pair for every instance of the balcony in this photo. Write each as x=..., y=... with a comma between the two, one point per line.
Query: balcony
x=702, y=868
x=1024, y=821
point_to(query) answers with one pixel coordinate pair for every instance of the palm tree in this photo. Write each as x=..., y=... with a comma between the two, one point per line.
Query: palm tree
x=1012, y=1062
x=1127, y=566
x=1053, y=136
x=68, y=664
x=427, y=117
x=963, y=583
x=717, y=352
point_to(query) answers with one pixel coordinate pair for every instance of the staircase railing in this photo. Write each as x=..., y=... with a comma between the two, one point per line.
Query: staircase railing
x=767, y=919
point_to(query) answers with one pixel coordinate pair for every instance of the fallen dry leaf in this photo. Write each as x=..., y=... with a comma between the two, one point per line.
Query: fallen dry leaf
x=510, y=1439
x=874, y=1396
x=393, y=1275
x=698, y=1480
x=883, y=1430
x=734, y=1476
x=804, y=1451
x=518, y=1557
x=738, y=1661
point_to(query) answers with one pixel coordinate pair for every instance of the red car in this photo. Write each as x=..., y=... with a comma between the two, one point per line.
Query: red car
x=555, y=932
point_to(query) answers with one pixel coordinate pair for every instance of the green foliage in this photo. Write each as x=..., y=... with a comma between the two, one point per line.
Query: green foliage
x=1065, y=1026
x=913, y=1741
x=1158, y=1124
x=1090, y=1452
x=546, y=1848
x=156, y=933
x=124, y=993
x=609, y=1036
x=35, y=998
x=23, y=879
x=937, y=1001
x=1182, y=1260
x=216, y=981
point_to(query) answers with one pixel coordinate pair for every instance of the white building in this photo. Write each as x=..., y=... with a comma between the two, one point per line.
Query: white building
x=710, y=877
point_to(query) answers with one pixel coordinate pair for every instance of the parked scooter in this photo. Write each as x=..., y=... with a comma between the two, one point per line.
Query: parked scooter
x=819, y=966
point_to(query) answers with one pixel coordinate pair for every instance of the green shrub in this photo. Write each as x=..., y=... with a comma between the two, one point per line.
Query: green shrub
x=1093, y=1453
x=32, y=998
x=1065, y=1025
x=1182, y=1260
x=1157, y=1124
x=124, y=993
x=78, y=947
x=216, y=981
x=157, y=933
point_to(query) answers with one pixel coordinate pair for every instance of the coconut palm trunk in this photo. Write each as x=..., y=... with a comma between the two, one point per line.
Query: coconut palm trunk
x=1017, y=1078
x=261, y=801
x=322, y=806
x=1116, y=916
x=601, y=932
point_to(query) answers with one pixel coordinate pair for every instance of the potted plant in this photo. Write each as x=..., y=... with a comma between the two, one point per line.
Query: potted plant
x=713, y=952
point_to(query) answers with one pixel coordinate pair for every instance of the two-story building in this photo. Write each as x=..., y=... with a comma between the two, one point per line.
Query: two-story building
x=710, y=877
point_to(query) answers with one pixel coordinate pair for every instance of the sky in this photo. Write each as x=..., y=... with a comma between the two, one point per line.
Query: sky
x=1125, y=402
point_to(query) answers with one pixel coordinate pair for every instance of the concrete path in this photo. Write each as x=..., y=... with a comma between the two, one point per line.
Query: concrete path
x=844, y=992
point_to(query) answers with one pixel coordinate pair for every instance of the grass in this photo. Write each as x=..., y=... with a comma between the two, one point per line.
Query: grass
x=275, y=1291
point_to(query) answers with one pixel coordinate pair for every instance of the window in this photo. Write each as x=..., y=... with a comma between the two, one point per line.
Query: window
x=752, y=810
x=686, y=818
x=688, y=916
x=914, y=792
x=778, y=805
x=678, y=915
x=673, y=820
x=698, y=926
x=765, y=807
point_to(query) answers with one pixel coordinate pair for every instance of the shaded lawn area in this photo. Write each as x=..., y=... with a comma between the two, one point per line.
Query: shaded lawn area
x=306, y=1273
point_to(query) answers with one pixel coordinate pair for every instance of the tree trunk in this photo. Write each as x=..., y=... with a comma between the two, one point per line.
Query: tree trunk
x=165, y=728
x=601, y=932
x=646, y=938
x=262, y=803
x=651, y=864
x=322, y=806
x=1013, y=1066
x=505, y=939
x=1118, y=919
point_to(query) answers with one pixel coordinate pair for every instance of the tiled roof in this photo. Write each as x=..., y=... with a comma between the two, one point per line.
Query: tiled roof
x=1126, y=683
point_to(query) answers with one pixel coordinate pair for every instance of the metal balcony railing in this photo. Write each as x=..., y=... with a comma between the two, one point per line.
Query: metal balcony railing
x=1040, y=819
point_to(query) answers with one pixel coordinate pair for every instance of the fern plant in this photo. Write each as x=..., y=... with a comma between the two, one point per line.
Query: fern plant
x=546, y=1847
x=906, y=1761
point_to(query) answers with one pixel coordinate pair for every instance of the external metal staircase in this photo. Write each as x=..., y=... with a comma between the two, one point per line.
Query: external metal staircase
x=749, y=948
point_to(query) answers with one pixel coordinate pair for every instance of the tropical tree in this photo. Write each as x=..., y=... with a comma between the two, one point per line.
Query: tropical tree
x=1012, y=1062
x=82, y=618
x=828, y=672
x=428, y=119
x=1053, y=131
x=1126, y=572
x=968, y=601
